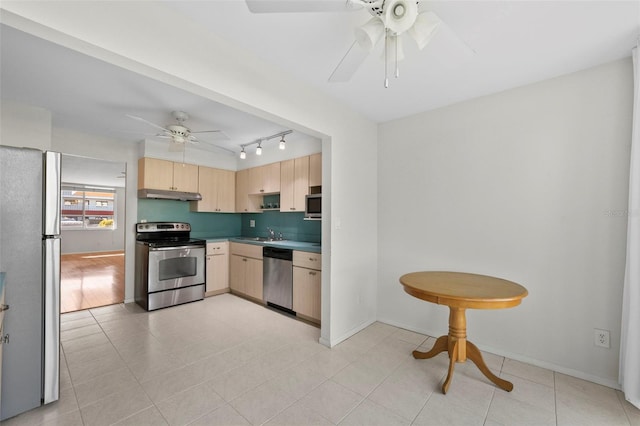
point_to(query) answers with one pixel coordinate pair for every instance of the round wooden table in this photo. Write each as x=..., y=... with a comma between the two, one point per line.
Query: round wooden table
x=460, y=291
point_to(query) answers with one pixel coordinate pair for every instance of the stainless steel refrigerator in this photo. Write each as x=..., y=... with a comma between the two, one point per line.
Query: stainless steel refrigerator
x=30, y=259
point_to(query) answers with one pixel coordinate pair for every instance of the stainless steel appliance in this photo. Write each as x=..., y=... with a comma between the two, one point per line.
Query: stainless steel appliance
x=170, y=265
x=30, y=259
x=277, y=264
x=313, y=206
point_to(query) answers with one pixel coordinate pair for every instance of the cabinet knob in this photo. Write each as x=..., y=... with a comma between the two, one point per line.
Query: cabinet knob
x=244, y=259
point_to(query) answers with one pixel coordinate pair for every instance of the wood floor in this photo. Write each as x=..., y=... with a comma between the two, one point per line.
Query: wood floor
x=89, y=280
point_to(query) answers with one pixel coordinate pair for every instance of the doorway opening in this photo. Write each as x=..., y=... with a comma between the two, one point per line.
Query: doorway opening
x=92, y=228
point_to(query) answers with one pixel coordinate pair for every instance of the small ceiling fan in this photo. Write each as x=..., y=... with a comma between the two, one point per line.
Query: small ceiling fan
x=390, y=18
x=179, y=134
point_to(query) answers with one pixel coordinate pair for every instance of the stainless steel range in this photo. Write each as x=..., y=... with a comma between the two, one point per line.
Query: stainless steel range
x=170, y=265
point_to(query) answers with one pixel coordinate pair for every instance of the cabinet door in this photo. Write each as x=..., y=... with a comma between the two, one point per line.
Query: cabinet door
x=226, y=185
x=253, y=278
x=306, y=292
x=185, y=177
x=237, y=270
x=287, y=176
x=256, y=179
x=242, y=191
x=206, y=188
x=294, y=184
x=217, y=272
x=271, y=176
x=315, y=170
x=300, y=183
x=155, y=174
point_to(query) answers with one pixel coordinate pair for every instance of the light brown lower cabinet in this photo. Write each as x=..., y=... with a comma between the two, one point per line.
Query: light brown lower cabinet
x=217, y=268
x=307, y=284
x=245, y=270
x=306, y=292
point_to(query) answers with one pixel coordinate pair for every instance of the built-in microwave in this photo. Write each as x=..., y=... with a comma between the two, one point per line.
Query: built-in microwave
x=313, y=206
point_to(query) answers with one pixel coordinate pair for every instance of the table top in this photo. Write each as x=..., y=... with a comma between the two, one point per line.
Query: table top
x=463, y=290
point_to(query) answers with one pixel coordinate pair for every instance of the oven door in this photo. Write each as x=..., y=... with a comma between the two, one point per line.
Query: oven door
x=175, y=267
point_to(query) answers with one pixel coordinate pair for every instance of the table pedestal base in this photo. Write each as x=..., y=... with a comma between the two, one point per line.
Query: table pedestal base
x=459, y=349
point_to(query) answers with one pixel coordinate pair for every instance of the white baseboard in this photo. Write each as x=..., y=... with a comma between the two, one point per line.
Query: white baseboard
x=611, y=383
x=349, y=333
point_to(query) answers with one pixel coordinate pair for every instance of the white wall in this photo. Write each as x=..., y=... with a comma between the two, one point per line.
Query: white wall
x=25, y=126
x=529, y=185
x=212, y=68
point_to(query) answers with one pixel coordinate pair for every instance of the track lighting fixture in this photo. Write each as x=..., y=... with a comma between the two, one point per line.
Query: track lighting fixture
x=281, y=145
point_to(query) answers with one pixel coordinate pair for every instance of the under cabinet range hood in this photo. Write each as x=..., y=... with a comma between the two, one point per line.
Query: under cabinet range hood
x=161, y=194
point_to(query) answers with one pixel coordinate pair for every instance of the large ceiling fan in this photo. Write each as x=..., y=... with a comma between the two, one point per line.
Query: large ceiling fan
x=390, y=20
x=180, y=135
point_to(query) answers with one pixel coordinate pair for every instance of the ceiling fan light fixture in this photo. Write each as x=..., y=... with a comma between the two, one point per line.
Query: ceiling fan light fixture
x=370, y=33
x=425, y=27
x=399, y=15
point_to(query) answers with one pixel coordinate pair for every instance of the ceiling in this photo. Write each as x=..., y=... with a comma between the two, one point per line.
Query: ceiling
x=94, y=97
x=485, y=47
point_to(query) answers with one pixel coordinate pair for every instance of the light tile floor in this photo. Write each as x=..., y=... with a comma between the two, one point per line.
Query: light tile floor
x=226, y=361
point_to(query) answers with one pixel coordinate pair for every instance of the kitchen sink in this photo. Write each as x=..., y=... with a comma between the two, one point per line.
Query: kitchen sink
x=261, y=239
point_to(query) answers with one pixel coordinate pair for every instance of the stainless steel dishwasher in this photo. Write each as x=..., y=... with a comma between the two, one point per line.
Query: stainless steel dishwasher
x=278, y=278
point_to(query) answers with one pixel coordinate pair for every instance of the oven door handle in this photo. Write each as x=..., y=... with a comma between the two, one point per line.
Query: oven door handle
x=175, y=247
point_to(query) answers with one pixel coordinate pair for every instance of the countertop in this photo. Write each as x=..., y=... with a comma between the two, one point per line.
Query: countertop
x=288, y=244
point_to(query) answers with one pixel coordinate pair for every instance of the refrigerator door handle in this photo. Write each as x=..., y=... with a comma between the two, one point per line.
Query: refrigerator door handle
x=51, y=196
x=51, y=356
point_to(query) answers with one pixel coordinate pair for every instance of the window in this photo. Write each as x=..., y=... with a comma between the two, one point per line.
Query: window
x=85, y=207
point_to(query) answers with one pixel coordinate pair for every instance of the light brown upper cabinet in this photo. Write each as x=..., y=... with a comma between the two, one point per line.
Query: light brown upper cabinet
x=315, y=169
x=167, y=175
x=245, y=203
x=218, y=190
x=264, y=179
x=294, y=184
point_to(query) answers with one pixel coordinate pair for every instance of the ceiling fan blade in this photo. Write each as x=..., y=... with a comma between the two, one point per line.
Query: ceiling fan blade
x=349, y=64
x=424, y=28
x=302, y=6
x=147, y=122
x=218, y=135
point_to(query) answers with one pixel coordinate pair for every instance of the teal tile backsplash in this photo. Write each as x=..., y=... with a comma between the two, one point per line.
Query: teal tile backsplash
x=292, y=225
x=202, y=224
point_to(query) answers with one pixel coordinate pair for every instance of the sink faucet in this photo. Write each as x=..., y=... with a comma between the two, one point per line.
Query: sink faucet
x=272, y=234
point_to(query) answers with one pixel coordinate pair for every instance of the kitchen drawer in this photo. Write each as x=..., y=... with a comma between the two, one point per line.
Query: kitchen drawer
x=247, y=250
x=307, y=259
x=217, y=248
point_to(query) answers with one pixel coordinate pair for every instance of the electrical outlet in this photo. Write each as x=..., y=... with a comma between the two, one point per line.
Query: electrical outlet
x=252, y=223
x=601, y=338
